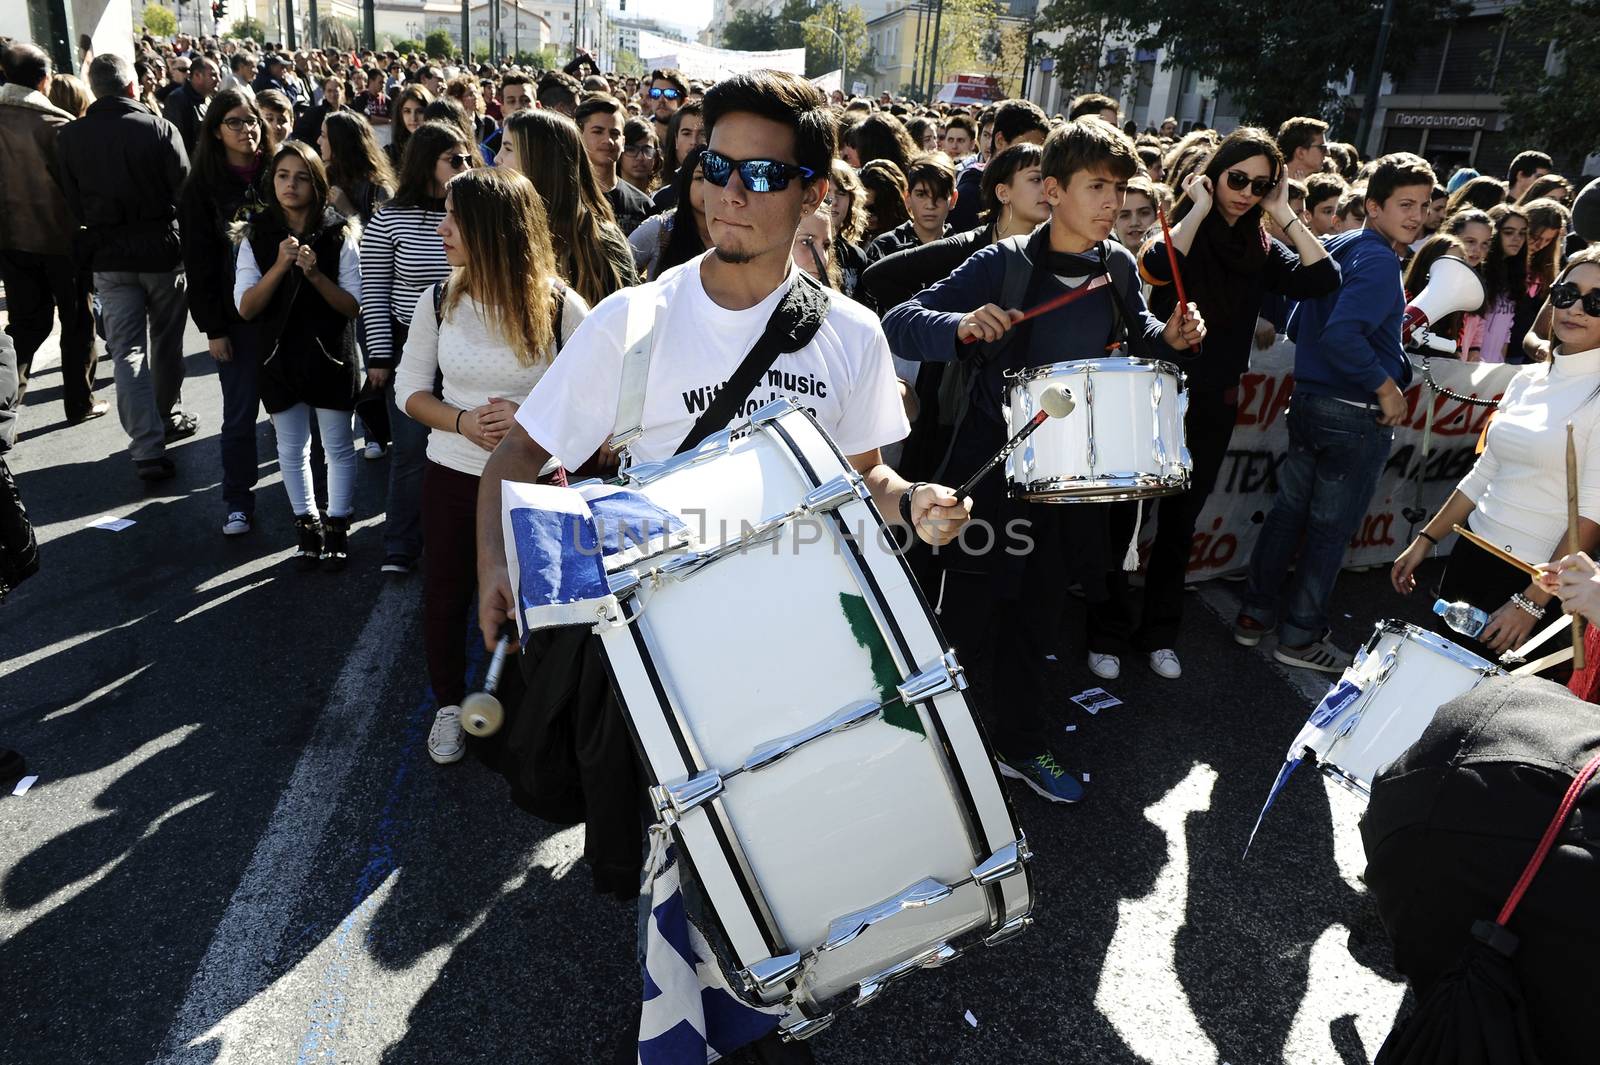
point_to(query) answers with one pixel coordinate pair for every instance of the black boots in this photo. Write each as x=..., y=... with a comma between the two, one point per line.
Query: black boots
x=335, y=538
x=308, y=529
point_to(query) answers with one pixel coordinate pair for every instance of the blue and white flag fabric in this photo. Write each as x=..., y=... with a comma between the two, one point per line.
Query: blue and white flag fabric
x=554, y=557
x=1340, y=698
x=690, y=1016
x=631, y=525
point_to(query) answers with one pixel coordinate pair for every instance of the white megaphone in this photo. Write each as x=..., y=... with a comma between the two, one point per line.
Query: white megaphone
x=1452, y=286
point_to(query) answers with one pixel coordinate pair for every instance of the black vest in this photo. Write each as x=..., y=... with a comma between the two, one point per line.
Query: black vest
x=308, y=348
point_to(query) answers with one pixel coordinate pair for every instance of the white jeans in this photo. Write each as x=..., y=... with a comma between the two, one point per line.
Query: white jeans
x=293, y=427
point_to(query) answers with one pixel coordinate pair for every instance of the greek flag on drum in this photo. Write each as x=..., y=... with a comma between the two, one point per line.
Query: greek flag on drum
x=690, y=1016
x=553, y=555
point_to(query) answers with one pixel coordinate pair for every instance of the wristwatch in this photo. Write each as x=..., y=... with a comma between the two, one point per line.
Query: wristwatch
x=905, y=504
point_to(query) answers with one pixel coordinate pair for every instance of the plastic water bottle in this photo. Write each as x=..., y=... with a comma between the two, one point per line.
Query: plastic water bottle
x=1464, y=618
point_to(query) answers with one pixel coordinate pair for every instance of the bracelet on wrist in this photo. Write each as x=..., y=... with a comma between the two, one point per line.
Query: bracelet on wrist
x=459, y=413
x=1424, y=534
x=1528, y=606
x=905, y=504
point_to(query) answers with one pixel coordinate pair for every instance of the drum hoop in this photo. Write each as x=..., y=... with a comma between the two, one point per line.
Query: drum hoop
x=1432, y=641
x=1132, y=486
x=1112, y=364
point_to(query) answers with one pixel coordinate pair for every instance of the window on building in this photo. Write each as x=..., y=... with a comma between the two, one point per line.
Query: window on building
x=1421, y=76
x=1469, y=61
x=1146, y=84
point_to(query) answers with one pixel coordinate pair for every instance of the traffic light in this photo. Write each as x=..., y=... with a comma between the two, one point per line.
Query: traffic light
x=219, y=10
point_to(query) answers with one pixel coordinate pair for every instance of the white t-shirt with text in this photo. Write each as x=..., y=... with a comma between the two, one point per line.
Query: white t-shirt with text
x=844, y=376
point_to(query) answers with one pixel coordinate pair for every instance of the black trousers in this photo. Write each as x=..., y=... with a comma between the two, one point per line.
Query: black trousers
x=1474, y=576
x=38, y=286
x=1208, y=428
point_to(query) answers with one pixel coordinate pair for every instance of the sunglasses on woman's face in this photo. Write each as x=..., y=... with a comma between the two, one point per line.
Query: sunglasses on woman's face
x=458, y=161
x=1566, y=294
x=671, y=94
x=758, y=175
x=1238, y=180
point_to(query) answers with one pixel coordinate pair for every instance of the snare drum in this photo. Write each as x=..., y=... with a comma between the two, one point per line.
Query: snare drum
x=1124, y=440
x=805, y=729
x=1385, y=700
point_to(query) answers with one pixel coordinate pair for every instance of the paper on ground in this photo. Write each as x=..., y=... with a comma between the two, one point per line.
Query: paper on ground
x=971, y=1019
x=1095, y=700
x=106, y=521
x=24, y=784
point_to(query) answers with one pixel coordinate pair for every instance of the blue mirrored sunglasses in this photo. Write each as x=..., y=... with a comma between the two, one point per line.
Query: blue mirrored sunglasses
x=758, y=175
x=671, y=94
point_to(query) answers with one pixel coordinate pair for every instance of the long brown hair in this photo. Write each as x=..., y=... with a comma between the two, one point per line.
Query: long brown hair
x=431, y=140
x=550, y=152
x=356, y=153
x=396, y=110
x=1544, y=264
x=1246, y=142
x=510, y=265
x=847, y=182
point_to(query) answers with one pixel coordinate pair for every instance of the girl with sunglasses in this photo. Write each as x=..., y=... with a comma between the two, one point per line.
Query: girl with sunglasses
x=299, y=276
x=402, y=256
x=1516, y=494
x=223, y=188
x=1229, y=265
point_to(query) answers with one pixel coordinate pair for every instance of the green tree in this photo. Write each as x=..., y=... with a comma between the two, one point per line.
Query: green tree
x=1545, y=108
x=1276, y=59
x=1087, y=58
x=627, y=63
x=964, y=27
x=439, y=44
x=405, y=46
x=247, y=28
x=822, y=47
x=158, y=21
x=751, y=31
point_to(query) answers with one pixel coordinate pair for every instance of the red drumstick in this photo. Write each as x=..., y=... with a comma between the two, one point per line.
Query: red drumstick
x=1172, y=261
x=1054, y=303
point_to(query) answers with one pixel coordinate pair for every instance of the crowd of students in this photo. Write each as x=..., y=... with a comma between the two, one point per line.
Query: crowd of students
x=323, y=251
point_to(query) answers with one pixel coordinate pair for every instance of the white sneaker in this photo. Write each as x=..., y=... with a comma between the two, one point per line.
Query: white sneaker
x=1106, y=667
x=373, y=450
x=1165, y=663
x=447, y=740
x=238, y=523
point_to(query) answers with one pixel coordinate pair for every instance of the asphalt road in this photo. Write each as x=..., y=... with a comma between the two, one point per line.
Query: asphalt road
x=239, y=851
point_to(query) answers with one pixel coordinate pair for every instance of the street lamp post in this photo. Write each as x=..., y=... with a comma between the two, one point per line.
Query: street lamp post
x=844, y=73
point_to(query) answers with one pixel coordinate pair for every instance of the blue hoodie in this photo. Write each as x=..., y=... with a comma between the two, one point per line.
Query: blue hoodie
x=1348, y=343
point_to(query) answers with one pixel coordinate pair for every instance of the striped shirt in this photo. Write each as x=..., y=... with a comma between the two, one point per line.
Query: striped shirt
x=402, y=254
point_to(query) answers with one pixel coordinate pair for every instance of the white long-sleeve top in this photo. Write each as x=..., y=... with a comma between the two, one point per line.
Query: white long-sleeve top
x=1519, y=484
x=476, y=362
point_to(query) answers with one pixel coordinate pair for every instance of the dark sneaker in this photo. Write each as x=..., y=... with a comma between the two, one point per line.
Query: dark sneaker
x=399, y=565
x=160, y=469
x=1247, y=632
x=237, y=523
x=1321, y=656
x=308, y=552
x=181, y=426
x=1044, y=776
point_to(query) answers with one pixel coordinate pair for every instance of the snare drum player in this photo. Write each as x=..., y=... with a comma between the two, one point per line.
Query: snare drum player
x=771, y=145
x=1002, y=594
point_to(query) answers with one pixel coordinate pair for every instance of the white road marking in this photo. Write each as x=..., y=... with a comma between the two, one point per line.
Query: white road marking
x=244, y=945
x=1140, y=993
x=353, y=1006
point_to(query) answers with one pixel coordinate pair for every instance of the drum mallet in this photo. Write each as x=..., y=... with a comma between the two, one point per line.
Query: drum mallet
x=1054, y=402
x=481, y=712
x=1574, y=544
x=1172, y=261
x=1053, y=303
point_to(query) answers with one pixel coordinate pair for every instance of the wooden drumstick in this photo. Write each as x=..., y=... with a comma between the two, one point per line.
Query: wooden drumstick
x=1498, y=552
x=1573, y=545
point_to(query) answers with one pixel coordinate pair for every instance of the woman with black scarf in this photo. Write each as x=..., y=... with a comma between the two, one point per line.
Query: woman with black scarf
x=1228, y=263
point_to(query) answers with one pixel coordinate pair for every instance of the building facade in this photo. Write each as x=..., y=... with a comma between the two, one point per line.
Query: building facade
x=899, y=39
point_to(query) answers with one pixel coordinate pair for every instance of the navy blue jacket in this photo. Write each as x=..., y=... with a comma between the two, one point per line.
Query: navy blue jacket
x=923, y=328
x=1348, y=343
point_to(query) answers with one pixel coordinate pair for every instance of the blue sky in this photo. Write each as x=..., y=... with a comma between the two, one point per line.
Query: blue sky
x=694, y=13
